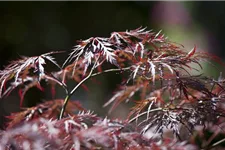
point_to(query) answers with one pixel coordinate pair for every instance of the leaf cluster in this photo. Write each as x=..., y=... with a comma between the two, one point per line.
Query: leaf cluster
x=167, y=97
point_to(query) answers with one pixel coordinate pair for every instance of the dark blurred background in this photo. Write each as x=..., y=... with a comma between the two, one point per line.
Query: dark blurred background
x=33, y=28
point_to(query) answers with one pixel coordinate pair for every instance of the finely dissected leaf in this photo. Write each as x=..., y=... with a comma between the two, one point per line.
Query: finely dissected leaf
x=107, y=48
x=90, y=49
x=47, y=110
x=124, y=95
x=67, y=72
x=24, y=69
x=191, y=53
x=152, y=71
x=141, y=105
x=81, y=131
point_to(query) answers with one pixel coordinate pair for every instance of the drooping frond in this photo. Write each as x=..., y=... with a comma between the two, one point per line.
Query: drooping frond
x=24, y=69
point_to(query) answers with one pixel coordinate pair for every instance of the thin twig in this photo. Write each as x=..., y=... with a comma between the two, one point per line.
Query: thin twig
x=63, y=85
x=146, y=112
x=74, y=89
x=86, y=78
x=111, y=70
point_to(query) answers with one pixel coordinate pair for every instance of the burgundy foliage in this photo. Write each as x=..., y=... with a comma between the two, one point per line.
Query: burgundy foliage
x=173, y=108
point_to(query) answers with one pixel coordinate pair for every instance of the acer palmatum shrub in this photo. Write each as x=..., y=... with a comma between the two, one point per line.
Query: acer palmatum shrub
x=176, y=106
